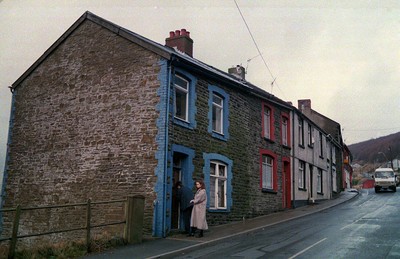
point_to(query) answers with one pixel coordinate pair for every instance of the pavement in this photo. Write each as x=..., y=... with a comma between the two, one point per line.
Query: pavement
x=177, y=244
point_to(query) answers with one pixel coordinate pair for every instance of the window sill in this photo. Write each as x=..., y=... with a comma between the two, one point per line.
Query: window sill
x=303, y=189
x=301, y=146
x=321, y=157
x=213, y=210
x=219, y=136
x=320, y=193
x=286, y=147
x=310, y=146
x=183, y=123
x=269, y=140
x=269, y=191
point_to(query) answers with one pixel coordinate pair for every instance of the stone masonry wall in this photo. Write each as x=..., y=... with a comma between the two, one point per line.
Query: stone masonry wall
x=243, y=146
x=84, y=127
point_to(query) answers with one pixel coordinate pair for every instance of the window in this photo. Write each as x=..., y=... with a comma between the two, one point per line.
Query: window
x=285, y=131
x=268, y=122
x=301, y=132
x=319, y=180
x=184, y=109
x=302, y=175
x=218, y=177
x=267, y=175
x=218, y=113
x=310, y=136
x=334, y=180
x=268, y=171
x=181, y=98
x=321, y=146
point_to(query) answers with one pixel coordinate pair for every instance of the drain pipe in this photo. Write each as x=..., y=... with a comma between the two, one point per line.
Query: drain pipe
x=293, y=162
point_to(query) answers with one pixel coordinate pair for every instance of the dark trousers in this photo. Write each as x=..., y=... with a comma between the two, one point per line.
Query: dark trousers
x=186, y=214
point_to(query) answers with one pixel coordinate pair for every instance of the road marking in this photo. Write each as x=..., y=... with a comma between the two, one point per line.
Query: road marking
x=307, y=248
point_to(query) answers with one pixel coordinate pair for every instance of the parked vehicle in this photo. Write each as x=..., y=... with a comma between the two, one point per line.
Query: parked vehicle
x=384, y=179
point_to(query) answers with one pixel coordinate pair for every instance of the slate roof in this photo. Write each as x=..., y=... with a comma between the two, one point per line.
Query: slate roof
x=162, y=50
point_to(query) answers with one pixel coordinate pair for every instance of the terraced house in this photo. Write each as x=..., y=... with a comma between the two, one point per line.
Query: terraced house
x=106, y=113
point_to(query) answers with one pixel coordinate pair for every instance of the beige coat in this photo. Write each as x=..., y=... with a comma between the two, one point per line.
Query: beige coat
x=198, y=218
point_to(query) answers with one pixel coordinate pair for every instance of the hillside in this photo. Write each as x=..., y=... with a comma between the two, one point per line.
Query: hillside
x=367, y=152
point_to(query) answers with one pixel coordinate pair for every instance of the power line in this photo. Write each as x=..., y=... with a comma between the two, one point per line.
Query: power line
x=258, y=49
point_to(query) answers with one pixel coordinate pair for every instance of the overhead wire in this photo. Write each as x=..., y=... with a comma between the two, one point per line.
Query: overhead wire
x=258, y=49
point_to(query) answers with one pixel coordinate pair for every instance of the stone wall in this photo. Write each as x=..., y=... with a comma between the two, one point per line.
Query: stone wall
x=84, y=127
x=242, y=147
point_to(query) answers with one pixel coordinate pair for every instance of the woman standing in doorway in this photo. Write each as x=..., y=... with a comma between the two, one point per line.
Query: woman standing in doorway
x=198, y=218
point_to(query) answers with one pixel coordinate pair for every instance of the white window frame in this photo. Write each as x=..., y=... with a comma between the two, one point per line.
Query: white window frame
x=267, y=172
x=218, y=114
x=216, y=178
x=302, y=172
x=285, y=131
x=319, y=180
x=184, y=92
x=301, y=132
x=267, y=122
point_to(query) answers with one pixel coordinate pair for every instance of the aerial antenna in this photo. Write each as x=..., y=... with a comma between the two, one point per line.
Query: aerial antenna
x=250, y=59
x=272, y=84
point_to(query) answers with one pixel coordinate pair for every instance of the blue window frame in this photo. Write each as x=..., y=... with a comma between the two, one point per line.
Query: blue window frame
x=184, y=99
x=218, y=114
x=217, y=178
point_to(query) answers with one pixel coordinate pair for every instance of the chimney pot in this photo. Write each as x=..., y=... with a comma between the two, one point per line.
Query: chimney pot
x=180, y=39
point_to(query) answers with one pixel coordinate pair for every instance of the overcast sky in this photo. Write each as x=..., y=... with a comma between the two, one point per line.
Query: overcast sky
x=343, y=55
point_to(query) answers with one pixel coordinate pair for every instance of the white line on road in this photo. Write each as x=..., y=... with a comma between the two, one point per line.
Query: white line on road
x=305, y=249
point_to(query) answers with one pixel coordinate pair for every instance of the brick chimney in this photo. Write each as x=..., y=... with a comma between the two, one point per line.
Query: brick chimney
x=181, y=40
x=304, y=104
x=237, y=71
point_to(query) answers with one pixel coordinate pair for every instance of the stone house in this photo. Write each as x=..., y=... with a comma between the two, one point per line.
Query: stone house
x=106, y=113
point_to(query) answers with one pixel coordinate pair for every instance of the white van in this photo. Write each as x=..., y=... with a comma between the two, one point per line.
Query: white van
x=384, y=179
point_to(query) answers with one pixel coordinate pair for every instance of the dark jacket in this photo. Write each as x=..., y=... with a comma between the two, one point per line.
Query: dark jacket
x=184, y=195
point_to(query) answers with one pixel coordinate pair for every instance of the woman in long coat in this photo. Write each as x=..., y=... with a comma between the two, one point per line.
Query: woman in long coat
x=198, y=218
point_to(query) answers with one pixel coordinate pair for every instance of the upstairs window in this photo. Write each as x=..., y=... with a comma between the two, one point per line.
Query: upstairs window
x=310, y=136
x=181, y=110
x=184, y=99
x=268, y=122
x=301, y=132
x=321, y=146
x=218, y=113
x=285, y=130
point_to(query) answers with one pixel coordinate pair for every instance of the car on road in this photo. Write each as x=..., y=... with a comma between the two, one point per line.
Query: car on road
x=385, y=179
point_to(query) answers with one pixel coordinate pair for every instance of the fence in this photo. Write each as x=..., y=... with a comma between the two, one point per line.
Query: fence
x=134, y=214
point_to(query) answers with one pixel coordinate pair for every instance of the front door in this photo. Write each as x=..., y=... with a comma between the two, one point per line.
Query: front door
x=287, y=197
x=176, y=176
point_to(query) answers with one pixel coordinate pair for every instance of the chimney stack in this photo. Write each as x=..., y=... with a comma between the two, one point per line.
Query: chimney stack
x=304, y=104
x=180, y=39
x=238, y=72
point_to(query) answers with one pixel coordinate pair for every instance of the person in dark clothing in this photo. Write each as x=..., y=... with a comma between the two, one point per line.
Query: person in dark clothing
x=184, y=195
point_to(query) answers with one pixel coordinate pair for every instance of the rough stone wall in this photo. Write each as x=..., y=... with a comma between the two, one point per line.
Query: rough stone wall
x=242, y=147
x=84, y=127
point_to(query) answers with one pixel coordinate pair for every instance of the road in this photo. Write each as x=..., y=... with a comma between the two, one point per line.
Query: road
x=365, y=227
